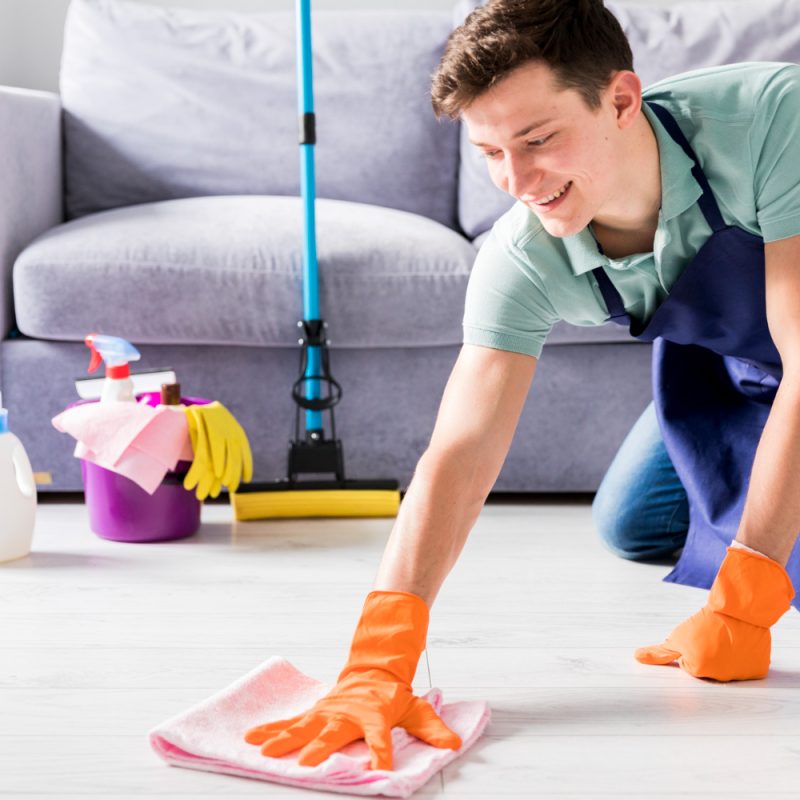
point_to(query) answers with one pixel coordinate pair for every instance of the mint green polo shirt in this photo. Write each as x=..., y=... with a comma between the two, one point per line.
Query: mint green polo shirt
x=743, y=122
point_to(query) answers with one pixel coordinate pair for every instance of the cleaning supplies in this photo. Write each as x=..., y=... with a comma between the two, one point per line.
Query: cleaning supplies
x=17, y=495
x=319, y=452
x=117, y=354
x=121, y=510
x=221, y=451
x=133, y=455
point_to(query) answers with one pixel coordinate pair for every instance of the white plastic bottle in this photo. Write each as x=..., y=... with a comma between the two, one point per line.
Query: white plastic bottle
x=17, y=495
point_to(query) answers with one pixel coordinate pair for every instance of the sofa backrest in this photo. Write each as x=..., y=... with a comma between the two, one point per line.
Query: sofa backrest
x=166, y=103
x=666, y=40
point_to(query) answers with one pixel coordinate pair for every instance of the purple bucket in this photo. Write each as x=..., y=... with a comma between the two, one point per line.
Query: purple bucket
x=122, y=511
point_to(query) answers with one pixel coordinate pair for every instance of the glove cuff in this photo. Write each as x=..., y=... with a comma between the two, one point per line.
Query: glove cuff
x=390, y=635
x=752, y=588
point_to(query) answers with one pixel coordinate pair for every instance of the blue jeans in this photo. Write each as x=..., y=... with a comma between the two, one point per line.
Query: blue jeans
x=641, y=510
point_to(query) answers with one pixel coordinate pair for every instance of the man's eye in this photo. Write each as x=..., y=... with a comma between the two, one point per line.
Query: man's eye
x=490, y=153
x=539, y=142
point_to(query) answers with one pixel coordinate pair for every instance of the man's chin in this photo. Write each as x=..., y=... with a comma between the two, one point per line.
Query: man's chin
x=561, y=228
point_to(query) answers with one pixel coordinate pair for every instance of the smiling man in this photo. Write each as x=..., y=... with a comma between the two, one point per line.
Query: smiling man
x=675, y=212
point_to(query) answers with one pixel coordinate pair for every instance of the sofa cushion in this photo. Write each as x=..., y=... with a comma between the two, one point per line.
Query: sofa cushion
x=665, y=41
x=228, y=270
x=167, y=103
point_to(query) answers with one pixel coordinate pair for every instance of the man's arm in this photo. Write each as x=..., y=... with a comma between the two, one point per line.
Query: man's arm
x=373, y=693
x=477, y=418
x=771, y=518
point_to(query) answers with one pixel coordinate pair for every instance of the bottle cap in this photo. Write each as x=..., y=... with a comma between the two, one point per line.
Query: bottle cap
x=170, y=394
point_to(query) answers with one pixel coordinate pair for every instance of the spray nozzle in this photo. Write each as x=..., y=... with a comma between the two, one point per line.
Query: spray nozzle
x=112, y=350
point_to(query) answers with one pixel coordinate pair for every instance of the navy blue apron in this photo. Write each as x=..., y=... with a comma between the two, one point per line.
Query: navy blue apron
x=715, y=374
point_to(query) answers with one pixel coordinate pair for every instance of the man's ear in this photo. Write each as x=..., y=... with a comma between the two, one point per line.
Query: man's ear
x=625, y=94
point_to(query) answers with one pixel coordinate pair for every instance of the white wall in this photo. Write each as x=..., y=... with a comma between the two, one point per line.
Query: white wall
x=31, y=30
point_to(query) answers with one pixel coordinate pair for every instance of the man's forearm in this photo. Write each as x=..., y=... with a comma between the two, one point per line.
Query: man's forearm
x=437, y=513
x=771, y=518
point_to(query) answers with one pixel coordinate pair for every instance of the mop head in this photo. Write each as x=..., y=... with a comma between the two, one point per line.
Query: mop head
x=316, y=499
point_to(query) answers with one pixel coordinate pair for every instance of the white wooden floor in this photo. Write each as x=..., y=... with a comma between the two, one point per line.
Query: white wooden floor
x=99, y=641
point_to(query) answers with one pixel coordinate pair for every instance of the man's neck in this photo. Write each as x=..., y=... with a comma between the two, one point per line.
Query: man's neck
x=629, y=225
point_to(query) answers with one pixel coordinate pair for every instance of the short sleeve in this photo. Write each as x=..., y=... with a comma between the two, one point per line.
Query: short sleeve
x=506, y=305
x=775, y=150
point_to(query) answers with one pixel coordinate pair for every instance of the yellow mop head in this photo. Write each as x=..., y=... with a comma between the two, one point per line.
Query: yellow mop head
x=281, y=500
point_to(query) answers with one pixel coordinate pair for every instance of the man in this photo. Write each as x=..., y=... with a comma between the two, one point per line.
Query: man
x=679, y=217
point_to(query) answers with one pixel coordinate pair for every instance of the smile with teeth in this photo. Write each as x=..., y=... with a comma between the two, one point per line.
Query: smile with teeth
x=549, y=199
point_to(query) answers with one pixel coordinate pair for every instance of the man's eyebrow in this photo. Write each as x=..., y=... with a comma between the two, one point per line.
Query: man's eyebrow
x=527, y=129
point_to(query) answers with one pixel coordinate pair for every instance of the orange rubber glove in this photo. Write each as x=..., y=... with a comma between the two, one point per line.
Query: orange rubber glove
x=729, y=639
x=372, y=695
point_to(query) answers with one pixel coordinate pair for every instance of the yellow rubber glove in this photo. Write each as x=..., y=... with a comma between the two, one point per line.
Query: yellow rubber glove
x=222, y=451
x=230, y=449
x=372, y=695
x=201, y=472
x=729, y=639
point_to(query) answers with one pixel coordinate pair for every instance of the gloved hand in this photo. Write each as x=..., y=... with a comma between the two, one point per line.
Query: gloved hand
x=729, y=639
x=373, y=692
x=221, y=450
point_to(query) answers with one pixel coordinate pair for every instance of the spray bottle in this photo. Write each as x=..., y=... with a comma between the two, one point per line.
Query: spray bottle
x=17, y=495
x=117, y=355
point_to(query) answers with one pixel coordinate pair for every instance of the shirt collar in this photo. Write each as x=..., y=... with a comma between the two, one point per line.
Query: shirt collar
x=679, y=191
x=582, y=252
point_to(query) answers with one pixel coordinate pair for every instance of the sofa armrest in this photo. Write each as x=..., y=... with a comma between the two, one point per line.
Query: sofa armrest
x=31, y=187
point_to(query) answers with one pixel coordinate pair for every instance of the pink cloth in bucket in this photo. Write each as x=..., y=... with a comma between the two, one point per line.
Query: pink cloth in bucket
x=210, y=737
x=131, y=439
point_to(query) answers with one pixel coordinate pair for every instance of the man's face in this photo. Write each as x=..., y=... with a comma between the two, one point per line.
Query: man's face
x=546, y=147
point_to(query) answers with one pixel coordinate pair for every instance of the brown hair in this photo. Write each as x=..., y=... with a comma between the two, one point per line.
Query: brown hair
x=580, y=40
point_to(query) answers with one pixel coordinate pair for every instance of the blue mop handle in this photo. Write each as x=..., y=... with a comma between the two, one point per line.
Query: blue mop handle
x=307, y=190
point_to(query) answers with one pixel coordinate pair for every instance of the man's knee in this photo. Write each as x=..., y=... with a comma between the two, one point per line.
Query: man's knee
x=616, y=526
x=640, y=509
x=624, y=531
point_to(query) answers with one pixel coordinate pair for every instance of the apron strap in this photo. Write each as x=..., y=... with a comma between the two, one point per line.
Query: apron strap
x=707, y=202
x=616, y=307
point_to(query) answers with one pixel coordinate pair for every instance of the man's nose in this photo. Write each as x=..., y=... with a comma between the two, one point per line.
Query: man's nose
x=517, y=176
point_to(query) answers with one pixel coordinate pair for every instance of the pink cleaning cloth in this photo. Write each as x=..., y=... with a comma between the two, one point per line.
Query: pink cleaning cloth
x=133, y=440
x=166, y=438
x=210, y=737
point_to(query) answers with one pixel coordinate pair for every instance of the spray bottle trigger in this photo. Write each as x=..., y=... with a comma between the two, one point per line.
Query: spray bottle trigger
x=97, y=359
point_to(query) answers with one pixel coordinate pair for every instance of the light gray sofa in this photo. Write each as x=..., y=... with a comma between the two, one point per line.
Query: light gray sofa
x=155, y=199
